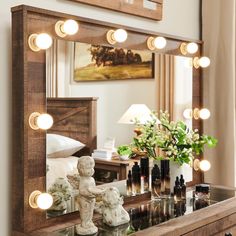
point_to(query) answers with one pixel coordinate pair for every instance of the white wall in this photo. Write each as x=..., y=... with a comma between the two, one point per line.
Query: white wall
x=181, y=17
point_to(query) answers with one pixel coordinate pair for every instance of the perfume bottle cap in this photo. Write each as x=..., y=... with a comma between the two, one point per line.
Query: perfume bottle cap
x=177, y=183
x=156, y=171
x=135, y=167
x=203, y=188
x=182, y=180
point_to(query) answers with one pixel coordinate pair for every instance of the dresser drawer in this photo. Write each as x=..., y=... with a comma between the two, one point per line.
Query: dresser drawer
x=219, y=227
x=228, y=232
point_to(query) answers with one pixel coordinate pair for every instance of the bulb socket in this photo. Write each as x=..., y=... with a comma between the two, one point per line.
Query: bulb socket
x=59, y=29
x=32, y=43
x=33, y=120
x=33, y=199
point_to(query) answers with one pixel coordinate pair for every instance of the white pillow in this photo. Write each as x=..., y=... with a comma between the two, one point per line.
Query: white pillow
x=59, y=146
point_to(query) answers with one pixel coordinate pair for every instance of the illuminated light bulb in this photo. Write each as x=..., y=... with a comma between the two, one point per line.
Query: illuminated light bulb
x=68, y=27
x=40, y=121
x=120, y=35
x=201, y=62
x=39, y=42
x=43, y=41
x=204, y=114
x=117, y=36
x=156, y=43
x=160, y=42
x=204, y=165
x=40, y=200
x=44, y=121
x=204, y=62
x=188, y=113
x=44, y=201
x=192, y=48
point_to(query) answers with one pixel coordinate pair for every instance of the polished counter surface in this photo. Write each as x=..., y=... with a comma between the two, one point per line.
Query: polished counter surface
x=155, y=212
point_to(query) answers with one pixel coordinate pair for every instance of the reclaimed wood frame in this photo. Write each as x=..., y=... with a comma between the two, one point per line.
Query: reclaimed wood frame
x=29, y=95
x=136, y=8
x=75, y=118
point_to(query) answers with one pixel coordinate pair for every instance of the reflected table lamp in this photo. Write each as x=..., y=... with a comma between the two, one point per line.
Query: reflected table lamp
x=137, y=112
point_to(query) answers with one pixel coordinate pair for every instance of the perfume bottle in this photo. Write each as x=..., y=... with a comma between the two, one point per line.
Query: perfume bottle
x=129, y=184
x=165, y=178
x=144, y=168
x=202, y=191
x=183, y=187
x=136, y=180
x=177, y=190
x=156, y=182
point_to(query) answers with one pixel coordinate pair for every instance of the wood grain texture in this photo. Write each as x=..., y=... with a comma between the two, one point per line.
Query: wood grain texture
x=135, y=8
x=219, y=227
x=75, y=118
x=29, y=86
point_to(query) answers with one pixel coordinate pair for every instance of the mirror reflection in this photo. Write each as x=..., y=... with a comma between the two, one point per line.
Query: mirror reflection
x=116, y=81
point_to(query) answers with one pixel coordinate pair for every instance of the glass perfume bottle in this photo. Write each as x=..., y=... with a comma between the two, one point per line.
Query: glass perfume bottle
x=202, y=191
x=165, y=178
x=183, y=187
x=156, y=182
x=129, y=184
x=177, y=190
x=144, y=168
x=136, y=179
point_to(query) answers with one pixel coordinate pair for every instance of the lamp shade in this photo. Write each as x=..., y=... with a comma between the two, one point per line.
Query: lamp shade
x=139, y=112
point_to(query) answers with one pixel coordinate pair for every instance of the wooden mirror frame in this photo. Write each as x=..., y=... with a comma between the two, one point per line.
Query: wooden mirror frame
x=29, y=95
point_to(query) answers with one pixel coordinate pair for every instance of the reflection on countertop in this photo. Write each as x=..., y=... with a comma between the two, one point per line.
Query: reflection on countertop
x=156, y=212
x=147, y=215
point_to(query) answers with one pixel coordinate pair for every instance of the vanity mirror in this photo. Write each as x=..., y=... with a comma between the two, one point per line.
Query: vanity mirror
x=170, y=88
x=29, y=96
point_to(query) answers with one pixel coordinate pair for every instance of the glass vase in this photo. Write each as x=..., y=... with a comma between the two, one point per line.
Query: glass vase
x=165, y=178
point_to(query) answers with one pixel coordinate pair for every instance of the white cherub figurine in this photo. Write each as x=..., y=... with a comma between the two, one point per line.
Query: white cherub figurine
x=112, y=210
x=87, y=195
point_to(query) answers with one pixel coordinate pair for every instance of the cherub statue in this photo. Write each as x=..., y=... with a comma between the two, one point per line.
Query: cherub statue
x=112, y=210
x=87, y=195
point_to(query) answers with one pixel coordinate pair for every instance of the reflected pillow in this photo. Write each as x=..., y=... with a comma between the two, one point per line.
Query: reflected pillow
x=59, y=146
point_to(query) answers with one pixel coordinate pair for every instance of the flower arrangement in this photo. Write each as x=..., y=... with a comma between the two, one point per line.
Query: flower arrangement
x=176, y=141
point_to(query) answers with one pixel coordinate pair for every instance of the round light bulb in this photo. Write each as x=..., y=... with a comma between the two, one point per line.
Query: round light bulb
x=120, y=35
x=44, y=201
x=188, y=113
x=70, y=27
x=44, y=121
x=43, y=41
x=204, y=113
x=159, y=42
x=204, y=62
x=192, y=48
x=205, y=165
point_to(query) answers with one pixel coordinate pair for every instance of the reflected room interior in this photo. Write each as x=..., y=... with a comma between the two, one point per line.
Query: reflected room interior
x=168, y=86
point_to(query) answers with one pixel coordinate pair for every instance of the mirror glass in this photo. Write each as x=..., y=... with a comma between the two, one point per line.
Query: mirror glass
x=118, y=78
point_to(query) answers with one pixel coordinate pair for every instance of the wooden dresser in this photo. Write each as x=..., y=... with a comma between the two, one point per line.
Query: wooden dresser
x=113, y=169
